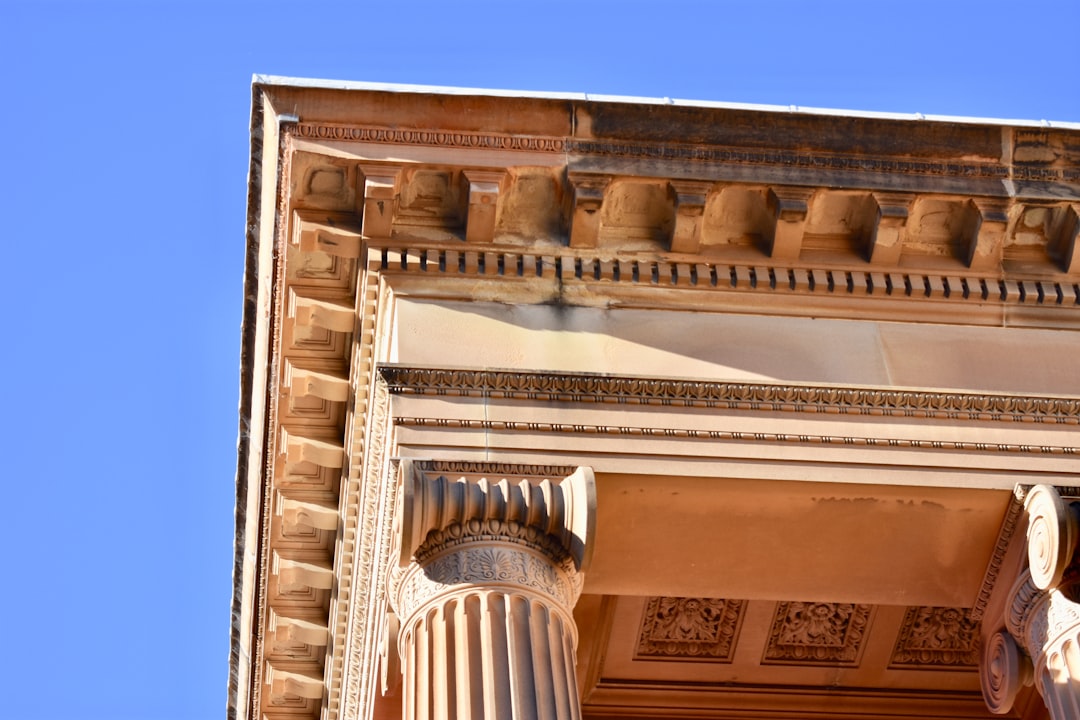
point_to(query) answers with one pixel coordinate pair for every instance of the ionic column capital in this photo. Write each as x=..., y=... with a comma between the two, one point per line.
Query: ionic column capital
x=1041, y=633
x=555, y=518
x=488, y=576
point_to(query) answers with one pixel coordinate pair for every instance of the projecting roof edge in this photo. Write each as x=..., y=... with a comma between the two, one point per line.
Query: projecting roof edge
x=346, y=85
x=251, y=431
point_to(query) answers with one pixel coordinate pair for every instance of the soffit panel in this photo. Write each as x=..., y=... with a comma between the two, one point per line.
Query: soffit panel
x=734, y=347
x=700, y=656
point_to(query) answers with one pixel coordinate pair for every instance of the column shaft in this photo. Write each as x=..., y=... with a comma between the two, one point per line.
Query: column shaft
x=490, y=655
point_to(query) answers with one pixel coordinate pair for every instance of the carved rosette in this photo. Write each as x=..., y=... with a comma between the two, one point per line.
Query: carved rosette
x=489, y=574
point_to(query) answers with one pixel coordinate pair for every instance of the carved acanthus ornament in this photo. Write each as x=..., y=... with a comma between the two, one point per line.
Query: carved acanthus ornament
x=937, y=637
x=1040, y=640
x=690, y=628
x=488, y=576
x=817, y=632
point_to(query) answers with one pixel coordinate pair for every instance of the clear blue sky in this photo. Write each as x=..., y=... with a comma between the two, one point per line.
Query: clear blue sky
x=125, y=125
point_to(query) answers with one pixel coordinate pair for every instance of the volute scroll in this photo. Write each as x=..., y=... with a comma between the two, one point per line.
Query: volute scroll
x=1052, y=535
x=1004, y=670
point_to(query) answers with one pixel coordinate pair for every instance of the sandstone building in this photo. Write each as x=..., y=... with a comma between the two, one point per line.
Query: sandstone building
x=565, y=406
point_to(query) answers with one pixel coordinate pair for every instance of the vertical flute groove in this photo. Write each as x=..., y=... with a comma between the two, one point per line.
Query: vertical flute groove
x=569, y=666
x=440, y=661
x=497, y=696
x=423, y=671
x=472, y=660
x=410, y=676
x=558, y=673
x=541, y=660
x=523, y=688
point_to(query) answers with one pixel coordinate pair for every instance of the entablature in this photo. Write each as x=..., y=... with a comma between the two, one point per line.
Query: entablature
x=577, y=208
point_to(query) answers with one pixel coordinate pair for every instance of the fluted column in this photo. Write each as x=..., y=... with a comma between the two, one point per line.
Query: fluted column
x=1040, y=640
x=488, y=578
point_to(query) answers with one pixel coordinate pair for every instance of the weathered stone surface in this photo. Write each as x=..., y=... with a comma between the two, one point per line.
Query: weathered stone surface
x=813, y=361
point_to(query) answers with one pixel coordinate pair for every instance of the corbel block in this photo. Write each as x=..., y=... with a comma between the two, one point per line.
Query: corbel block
x=329, y=239
x=321, y=385
x=322, y=313
x=887, y=236
x=985, y=226
x=297, y=573
x=304, y=449
x=294, y=630
x=690, y=198
x=299, y=513
x=485, y=188
x=789, y=206
x=1068, y=247
x=381, y=188
x=588, y=199
x=291, y=684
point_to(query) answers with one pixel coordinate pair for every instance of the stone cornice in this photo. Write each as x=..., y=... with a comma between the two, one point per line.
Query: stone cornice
x=681, y=152
x=759, y=397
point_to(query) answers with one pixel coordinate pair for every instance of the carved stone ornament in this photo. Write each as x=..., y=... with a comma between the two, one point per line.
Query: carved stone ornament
x=1052, y=535
x=1042, y=616
x=688, y=628
x=816, y=632
x=732, y=395
x=686, y=152
x=520, y=570
x=937, y=638
x=555, y=517
x=1039, y=619
x=1004, y=670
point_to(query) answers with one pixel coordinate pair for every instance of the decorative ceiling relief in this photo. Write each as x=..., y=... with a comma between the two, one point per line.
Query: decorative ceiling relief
x=689, y=628
x=813, y=632
x=937, y=638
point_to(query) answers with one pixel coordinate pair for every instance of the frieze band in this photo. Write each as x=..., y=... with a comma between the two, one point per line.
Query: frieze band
x=576, y=387
x=681, y=152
